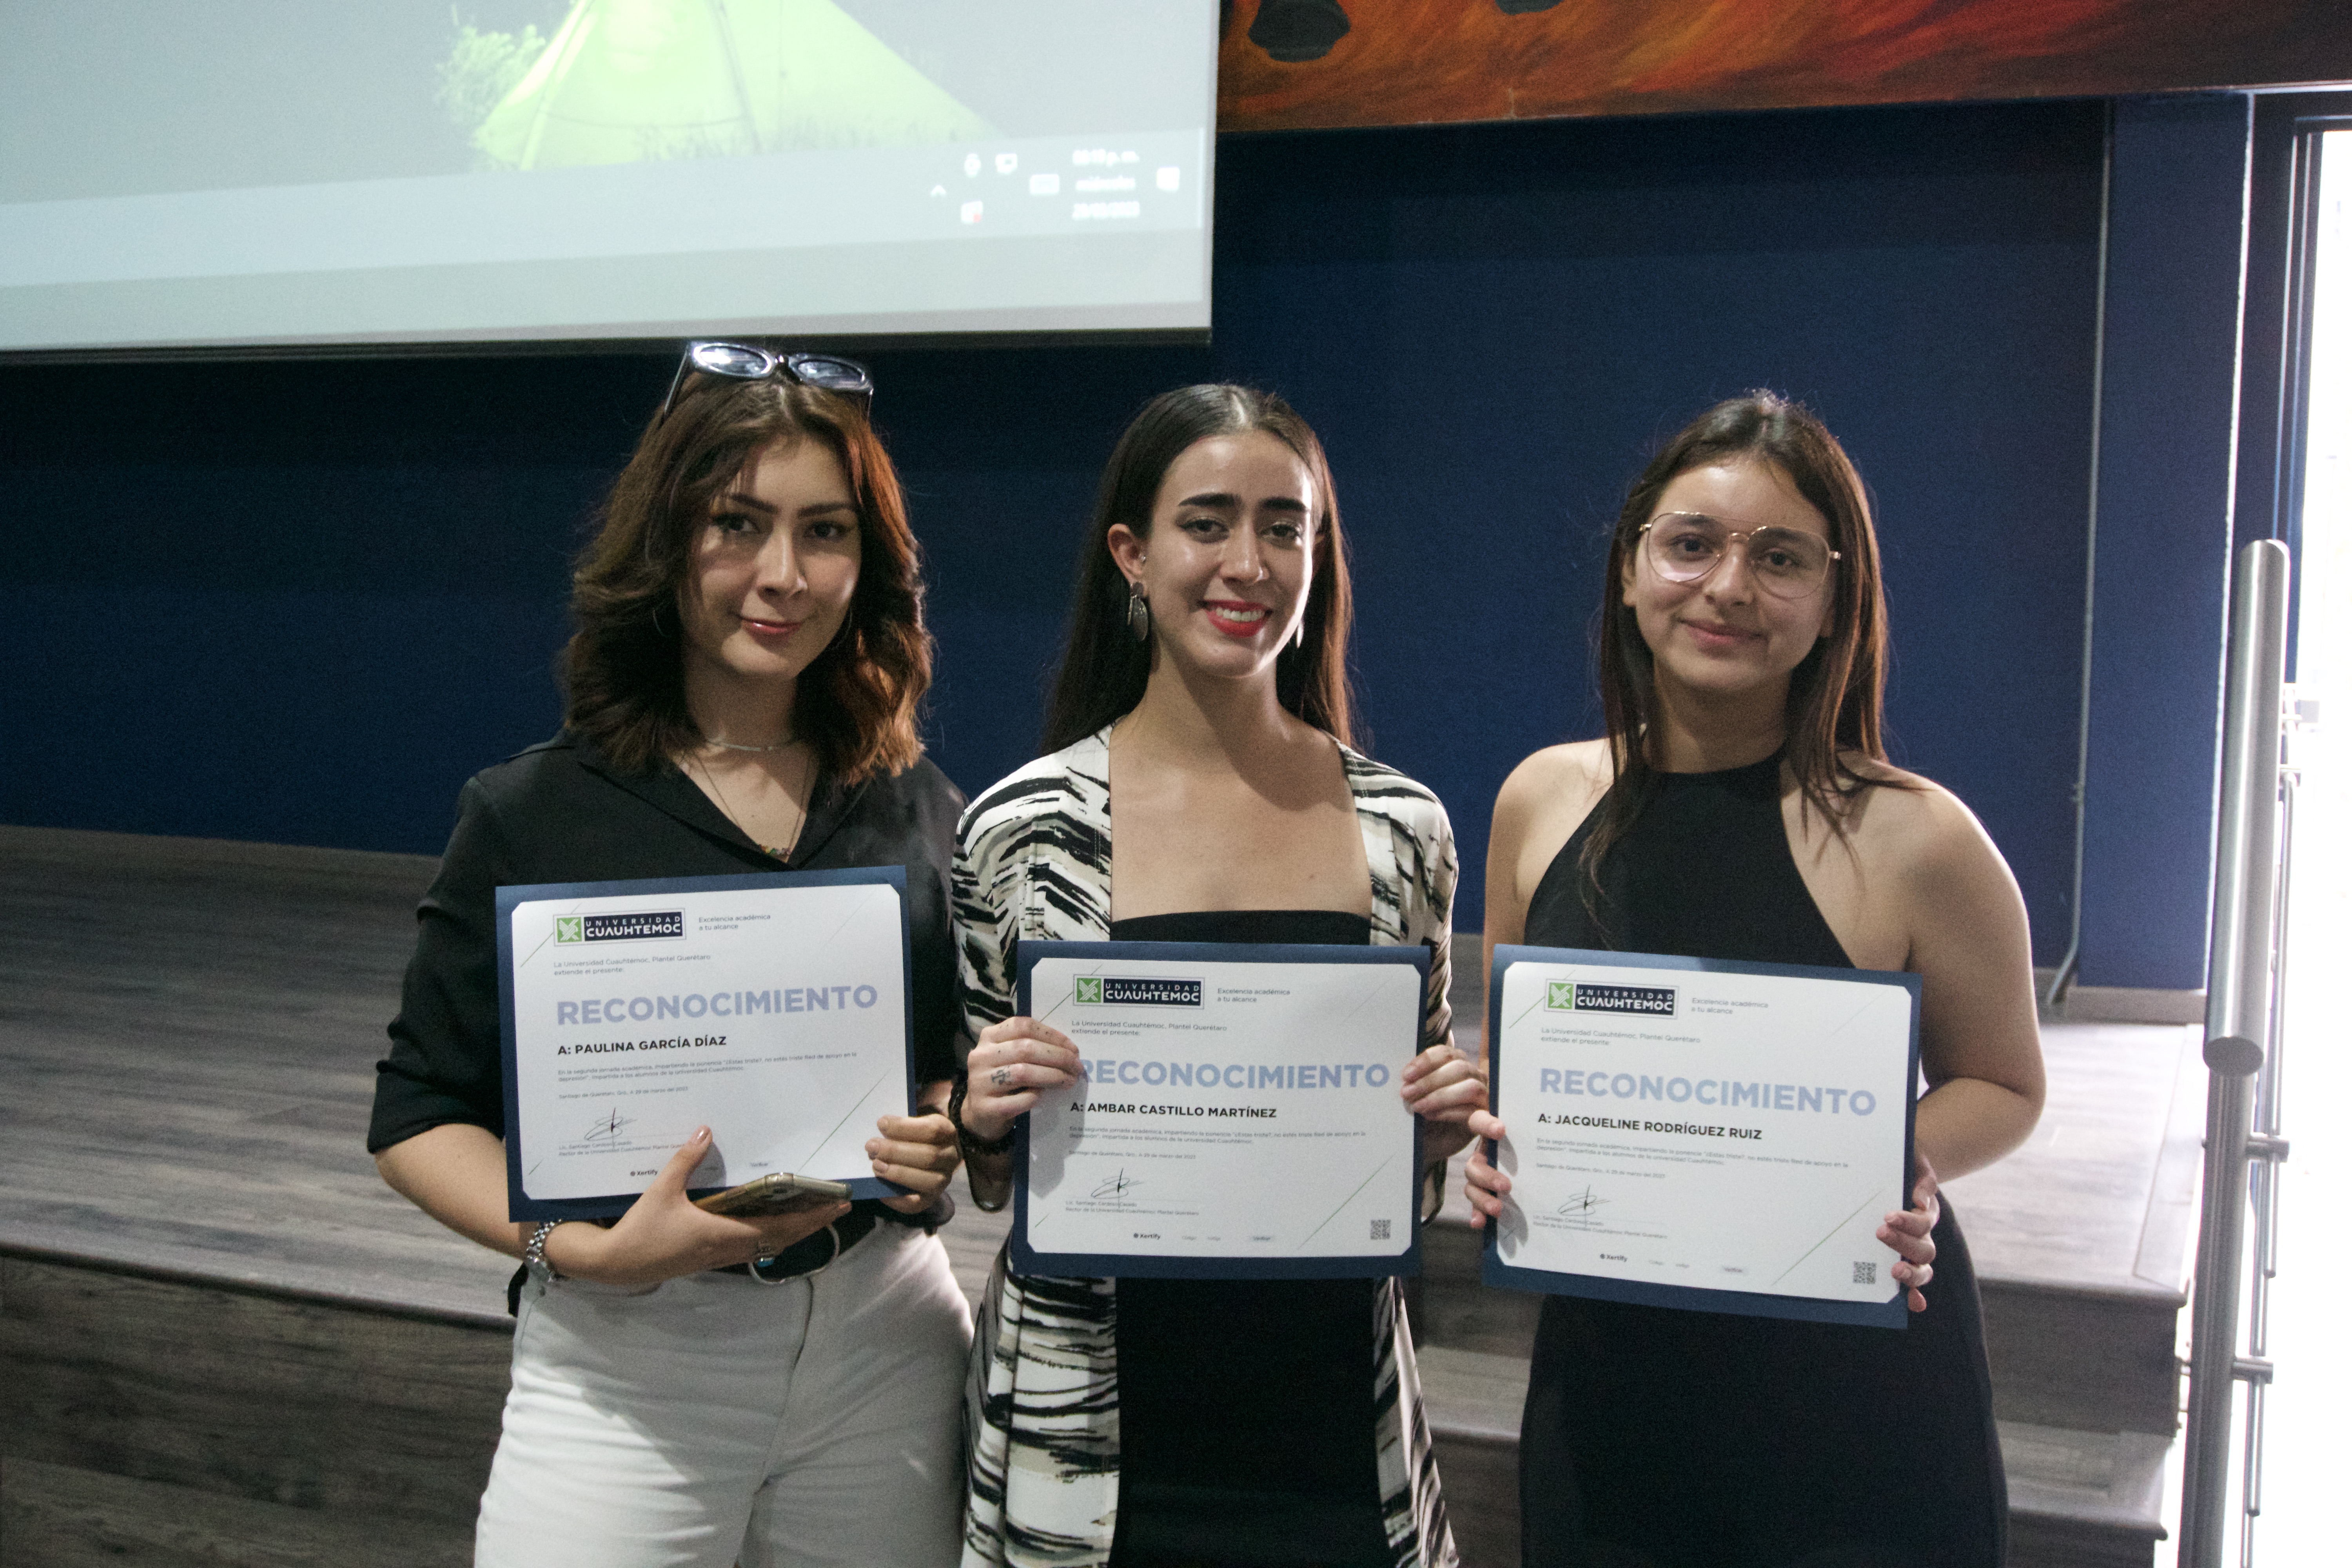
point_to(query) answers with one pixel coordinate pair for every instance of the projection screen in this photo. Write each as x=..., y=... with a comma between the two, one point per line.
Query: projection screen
x=178, y=174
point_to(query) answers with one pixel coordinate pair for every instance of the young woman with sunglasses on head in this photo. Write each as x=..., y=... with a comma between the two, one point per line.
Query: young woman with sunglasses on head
x=691, y=1388
x=1202, y=711
x=1741, y=807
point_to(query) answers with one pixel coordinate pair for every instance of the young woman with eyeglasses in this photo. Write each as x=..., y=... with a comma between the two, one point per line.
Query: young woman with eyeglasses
x=1742, y=807
x=691, y=1388
x=1202, y=712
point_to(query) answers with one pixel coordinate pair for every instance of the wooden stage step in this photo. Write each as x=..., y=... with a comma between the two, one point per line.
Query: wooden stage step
x=223, y=1340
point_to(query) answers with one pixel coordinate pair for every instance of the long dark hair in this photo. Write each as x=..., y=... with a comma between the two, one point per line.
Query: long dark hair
x=1104, y=669
x=1836, y=694
x=623, y=671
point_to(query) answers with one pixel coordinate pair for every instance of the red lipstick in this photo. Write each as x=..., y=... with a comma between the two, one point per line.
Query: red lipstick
x=1223, y=613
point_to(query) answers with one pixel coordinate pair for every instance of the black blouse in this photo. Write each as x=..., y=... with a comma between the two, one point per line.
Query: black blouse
x=560, y=813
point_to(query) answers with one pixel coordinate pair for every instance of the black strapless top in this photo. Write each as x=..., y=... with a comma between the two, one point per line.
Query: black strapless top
x=1246, y=1411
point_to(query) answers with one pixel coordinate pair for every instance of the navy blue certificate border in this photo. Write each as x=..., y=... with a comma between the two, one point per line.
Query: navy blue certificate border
x=520, y=1207
x=1026, y=1259
x=1891, y=1313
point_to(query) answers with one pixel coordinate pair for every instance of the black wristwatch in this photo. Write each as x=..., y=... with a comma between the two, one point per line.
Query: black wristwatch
x=968, y=1141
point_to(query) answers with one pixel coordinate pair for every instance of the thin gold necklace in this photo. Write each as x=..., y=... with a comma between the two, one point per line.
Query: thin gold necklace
x=732, y=746
x=778, y=851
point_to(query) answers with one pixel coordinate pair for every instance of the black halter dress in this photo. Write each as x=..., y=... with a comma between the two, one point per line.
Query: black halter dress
x=1245, y=1406
x=1673, y=1439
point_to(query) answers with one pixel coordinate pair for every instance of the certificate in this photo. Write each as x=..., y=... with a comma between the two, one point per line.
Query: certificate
x=771, y=1008
x=1237, y=1117
x=1701, y=1133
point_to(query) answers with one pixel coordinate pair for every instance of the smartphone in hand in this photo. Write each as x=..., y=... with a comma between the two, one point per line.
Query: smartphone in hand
x=778, y=1191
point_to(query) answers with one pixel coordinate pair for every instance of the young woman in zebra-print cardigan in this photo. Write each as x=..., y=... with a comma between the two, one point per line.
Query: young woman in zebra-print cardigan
x=1139, y=1423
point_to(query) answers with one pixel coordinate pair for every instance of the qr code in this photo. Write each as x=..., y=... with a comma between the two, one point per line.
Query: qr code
x=1866, y=1273
x=1380, y=1230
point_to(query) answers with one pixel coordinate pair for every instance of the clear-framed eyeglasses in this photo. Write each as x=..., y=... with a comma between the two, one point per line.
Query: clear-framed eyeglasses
x=744, y=361
x=1685, y=546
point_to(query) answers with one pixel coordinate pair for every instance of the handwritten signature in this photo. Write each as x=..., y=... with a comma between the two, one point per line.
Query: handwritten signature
x=608, y=1129
x=1119, y=1187
x=1580, y=1210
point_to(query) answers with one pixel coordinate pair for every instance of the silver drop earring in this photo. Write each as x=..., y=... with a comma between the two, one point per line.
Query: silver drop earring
x=1138, y=608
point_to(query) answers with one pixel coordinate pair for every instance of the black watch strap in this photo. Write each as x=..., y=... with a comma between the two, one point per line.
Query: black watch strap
x=970, y=1141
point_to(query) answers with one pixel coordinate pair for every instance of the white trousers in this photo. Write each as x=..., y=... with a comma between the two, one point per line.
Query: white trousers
x=714, y=1419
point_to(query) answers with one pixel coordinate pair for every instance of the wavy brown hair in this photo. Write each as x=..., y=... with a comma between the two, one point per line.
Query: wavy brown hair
x=1836, y=693
x=1104, y=669
x=624, y=673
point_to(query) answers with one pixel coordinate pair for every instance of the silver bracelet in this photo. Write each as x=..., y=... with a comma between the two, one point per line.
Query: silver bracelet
x=534, y=1251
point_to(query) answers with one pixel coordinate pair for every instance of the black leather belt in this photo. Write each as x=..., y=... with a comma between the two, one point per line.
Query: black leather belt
x=811, y=1253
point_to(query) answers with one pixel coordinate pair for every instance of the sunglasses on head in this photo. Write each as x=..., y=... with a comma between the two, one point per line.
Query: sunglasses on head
x=742, y=361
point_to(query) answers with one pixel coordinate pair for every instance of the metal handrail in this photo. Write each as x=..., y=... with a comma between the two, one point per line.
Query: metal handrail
x=2240, y=1004
x=2266, y=1150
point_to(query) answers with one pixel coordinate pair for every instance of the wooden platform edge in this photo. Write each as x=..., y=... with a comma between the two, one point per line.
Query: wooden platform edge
x=19, y=840
x=2169, y=1234
x=170, y=1423
x=189, y=1265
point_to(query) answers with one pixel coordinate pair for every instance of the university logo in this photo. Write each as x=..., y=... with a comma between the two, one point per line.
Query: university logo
x=1567, y=996
x=1139, y=991
x=636, y=927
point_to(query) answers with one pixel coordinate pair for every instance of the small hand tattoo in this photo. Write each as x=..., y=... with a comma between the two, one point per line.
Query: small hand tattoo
x=1001, y=1077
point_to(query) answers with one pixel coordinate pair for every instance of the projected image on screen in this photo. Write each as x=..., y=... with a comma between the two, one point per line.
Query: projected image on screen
x=626, y=82
x=280, y=172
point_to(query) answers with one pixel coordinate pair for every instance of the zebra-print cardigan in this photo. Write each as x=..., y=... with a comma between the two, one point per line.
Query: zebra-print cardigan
x=1041, y=1405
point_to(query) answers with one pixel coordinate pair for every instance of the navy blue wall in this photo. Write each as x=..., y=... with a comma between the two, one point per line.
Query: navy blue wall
x=2167, y=472
x=302, y=601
